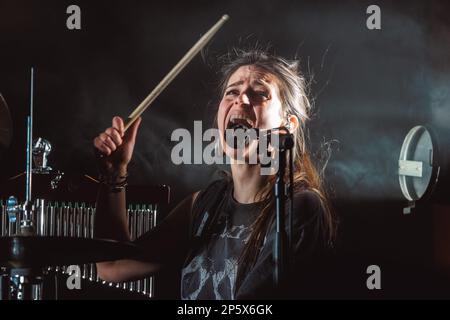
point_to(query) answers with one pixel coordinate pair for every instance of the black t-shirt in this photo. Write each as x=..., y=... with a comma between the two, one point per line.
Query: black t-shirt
x=211, y=274
x=211, y=268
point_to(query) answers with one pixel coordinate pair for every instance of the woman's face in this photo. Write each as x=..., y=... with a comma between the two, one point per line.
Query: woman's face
x=251, y=99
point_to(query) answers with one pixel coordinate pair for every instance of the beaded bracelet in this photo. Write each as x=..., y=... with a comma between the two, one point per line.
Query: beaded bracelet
x=114, y=182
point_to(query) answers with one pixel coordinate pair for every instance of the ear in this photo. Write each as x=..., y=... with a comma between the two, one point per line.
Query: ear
x=293, y=122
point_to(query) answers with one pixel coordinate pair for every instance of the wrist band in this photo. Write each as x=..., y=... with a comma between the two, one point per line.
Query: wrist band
x=114, y=181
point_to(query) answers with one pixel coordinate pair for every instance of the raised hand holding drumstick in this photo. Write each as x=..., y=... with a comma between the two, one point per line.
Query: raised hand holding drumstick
x=115, y=146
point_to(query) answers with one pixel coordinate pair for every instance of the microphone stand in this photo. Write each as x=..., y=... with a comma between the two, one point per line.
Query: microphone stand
x=280, y=251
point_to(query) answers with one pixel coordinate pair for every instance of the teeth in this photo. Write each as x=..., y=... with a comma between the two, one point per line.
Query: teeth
x=235, y=117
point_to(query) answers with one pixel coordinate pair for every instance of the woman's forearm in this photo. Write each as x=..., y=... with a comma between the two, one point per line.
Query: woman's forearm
x=110, y=217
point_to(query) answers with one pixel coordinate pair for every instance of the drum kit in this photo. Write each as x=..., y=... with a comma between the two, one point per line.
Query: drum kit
x=37, y=238
x=41, y=237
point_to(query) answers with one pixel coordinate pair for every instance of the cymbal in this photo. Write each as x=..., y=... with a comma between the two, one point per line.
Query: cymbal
x=37, y=251
x=5, y=124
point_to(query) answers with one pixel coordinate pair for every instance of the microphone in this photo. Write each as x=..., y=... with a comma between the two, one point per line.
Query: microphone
x=285, y=138
x=242, y=135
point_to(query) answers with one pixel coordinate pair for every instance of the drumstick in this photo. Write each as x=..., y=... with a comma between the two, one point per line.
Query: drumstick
x=175, y=71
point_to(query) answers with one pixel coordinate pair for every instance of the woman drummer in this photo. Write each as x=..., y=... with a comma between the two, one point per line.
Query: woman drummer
x=222, y=237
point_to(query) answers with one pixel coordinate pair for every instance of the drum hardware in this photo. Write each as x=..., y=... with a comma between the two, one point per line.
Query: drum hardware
x=41, y=150
x=25, y=253
x=56, y=217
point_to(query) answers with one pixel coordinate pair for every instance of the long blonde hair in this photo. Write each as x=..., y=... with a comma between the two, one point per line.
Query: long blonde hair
x=294, y=98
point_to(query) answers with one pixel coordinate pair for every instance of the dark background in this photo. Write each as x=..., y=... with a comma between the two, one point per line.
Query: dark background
x=369, y=88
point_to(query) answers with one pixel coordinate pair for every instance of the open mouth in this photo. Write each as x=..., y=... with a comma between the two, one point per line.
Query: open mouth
x=240, y=122
x=239, y=140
